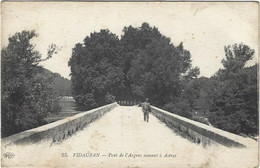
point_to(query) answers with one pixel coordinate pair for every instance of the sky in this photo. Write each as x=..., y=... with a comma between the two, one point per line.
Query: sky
x=203, y=27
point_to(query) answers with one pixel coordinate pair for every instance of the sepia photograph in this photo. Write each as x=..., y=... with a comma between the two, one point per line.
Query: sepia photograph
x=130, y=84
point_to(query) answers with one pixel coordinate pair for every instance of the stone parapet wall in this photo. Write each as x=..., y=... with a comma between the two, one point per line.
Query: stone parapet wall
x=58, y=130
x=199, y=132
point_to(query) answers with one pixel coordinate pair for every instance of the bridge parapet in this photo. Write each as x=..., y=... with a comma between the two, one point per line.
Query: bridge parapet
x=58, y=130
x=128, y=102
x=198, y=132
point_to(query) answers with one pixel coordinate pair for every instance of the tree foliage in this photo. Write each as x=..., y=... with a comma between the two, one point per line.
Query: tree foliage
x=60, y=85
x=229, y=98
x=157, y=69
x=144, y=63
x=236, y=57
x=132, y=42
x=235, y=107
x=26, y=97
x=96, y=71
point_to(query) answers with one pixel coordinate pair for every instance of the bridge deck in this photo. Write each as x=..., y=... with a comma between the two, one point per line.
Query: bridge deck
x=123, y=130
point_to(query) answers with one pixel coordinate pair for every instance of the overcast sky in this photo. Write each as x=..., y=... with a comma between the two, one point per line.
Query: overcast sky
x=204, y=28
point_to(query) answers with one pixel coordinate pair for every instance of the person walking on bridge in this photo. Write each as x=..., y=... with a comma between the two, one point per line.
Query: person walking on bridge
x=146, y=108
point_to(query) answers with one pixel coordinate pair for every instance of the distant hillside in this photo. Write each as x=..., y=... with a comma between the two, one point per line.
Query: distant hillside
x=61, y=85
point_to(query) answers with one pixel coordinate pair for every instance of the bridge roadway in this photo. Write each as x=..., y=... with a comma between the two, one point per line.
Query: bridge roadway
x=123, y=130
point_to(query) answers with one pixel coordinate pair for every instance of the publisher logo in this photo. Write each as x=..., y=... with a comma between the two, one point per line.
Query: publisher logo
x=9, y=155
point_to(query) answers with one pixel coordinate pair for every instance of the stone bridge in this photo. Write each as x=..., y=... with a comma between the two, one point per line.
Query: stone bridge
x=117, y=136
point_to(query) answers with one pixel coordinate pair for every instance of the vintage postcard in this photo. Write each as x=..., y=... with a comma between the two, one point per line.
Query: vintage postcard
x=130, y=84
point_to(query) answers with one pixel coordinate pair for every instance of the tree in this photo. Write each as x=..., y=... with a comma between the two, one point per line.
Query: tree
x=26, y=97
x=197, y=95
x=143, y=63
x=61, y=85
x=132, y=42
x=235, y=106
x=156, y=71
x=96, y=70
x=236, y=57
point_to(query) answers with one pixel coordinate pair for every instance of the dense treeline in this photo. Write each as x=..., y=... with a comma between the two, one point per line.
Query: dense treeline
x=229, y=99
x=96, y=69
x=61, y=85
x=27, y=96
x=235, y=104
x=144, y=63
